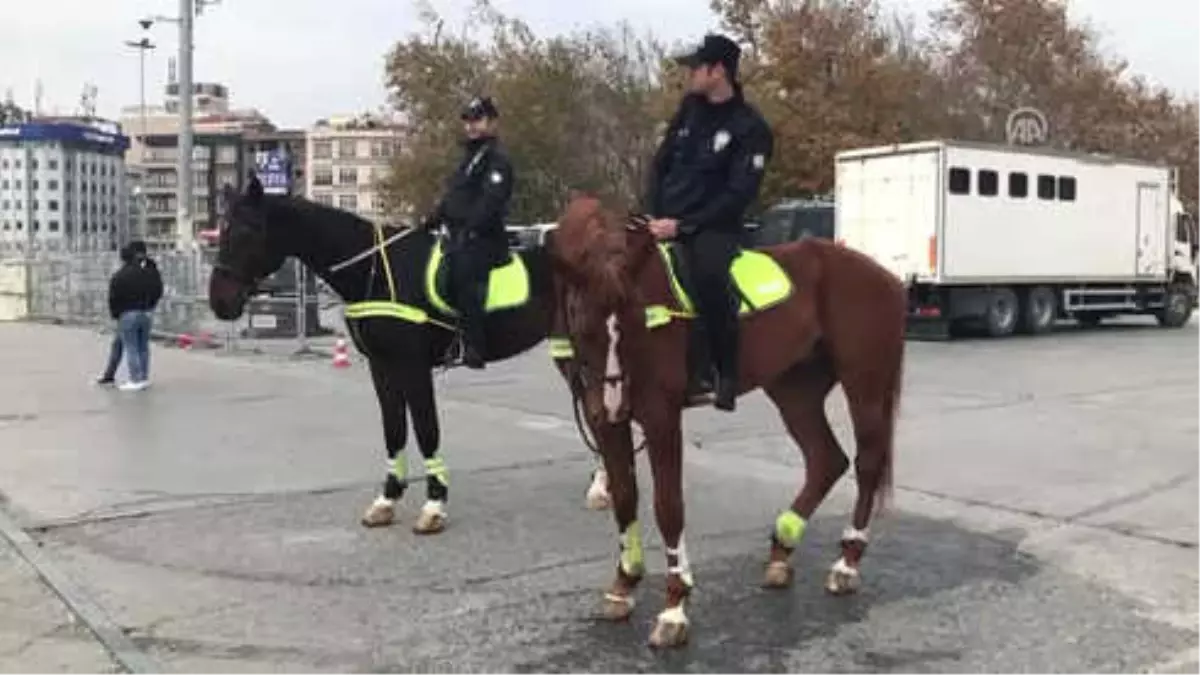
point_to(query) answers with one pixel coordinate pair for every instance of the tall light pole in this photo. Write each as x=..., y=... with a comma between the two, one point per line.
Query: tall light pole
x=184, y=231
x=185, y=235
x=142, y=46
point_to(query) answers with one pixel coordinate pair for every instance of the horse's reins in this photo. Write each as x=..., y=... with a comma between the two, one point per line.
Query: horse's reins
x=380, y=246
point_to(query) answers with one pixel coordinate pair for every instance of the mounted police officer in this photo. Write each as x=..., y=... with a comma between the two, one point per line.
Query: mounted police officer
x=705, y=175
x=474, y=208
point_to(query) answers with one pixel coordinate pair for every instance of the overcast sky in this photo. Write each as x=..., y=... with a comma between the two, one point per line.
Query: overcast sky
x=298, y=60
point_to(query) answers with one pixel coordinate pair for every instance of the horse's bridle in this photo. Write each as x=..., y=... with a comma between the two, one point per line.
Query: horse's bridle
x=248, y=282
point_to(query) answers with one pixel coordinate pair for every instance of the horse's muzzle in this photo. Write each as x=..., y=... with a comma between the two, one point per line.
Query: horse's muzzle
x=227, y=296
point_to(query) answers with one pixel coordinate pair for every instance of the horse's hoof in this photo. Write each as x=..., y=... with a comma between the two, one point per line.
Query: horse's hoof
x=779, y=574
x=617, y=607
x=671, y=629
x=598, y=497
x=432, y=519
x=843, y=579
x=380, y=513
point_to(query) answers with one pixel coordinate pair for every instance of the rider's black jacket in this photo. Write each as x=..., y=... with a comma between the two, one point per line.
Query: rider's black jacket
x=477, y=195
x=708, y=167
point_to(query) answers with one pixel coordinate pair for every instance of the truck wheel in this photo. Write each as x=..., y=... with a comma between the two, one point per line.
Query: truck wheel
x=1039, y=311
x=1000, y=317
x=1177, y=307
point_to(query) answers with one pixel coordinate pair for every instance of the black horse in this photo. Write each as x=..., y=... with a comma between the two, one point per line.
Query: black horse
x=393, y=283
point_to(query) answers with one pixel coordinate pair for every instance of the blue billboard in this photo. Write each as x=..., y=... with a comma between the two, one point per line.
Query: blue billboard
x=67, y=133
x=274, y=170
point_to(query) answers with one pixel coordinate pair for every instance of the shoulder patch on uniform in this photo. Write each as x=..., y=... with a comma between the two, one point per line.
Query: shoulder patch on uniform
x=759, y=161
x=497, y=177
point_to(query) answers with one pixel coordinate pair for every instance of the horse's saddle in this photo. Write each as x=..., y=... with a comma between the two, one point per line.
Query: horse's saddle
x=508, y=283
x=760, y=282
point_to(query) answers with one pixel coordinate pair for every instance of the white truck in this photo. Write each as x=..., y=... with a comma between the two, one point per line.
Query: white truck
x=1015, y=238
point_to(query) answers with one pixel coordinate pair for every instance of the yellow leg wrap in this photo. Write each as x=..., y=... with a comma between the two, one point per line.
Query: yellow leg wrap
x=789, y=528
x=437, y=468
x=633, y=561
x=399, y=466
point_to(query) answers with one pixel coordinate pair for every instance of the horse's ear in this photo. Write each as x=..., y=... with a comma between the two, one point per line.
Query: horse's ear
x=254, y=189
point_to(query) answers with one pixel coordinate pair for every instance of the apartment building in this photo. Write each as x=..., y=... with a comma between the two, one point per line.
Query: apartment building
x=345, y=159
x=62, y=185
x=218, y=155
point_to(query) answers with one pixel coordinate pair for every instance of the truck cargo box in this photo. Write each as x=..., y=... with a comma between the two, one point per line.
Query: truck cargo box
x=961, y=213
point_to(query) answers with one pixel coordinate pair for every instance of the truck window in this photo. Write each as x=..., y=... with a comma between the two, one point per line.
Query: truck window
x=1045, y=187
x=1182, y=231
x=1066, y=188
x=1018, y=185
x=989, y=183
x=960, y=181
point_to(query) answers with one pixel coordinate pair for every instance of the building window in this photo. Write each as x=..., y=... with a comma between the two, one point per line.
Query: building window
x=346, y=149
x=33, y=184
x=36, y=226
x=960, y=181
x=1045, y=187
x=348, y=176
x=53, y=225
x=33, y=165
x=322, y=150
x=323, y=176
x=52, y=204
x=52, y=164
x=323, y=198
x=1066, y=188
x=52, y=184
x=348, y=202
x=3, y=184
x=1018, y=185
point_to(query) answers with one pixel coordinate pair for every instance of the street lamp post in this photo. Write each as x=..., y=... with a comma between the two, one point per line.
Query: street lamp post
x=188, y=9
x=142, y=46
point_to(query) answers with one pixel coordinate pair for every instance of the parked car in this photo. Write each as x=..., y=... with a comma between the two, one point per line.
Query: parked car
x=790, y=220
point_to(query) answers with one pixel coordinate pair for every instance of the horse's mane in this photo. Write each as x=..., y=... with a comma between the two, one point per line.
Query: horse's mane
x=302, y=207
x=590, y=244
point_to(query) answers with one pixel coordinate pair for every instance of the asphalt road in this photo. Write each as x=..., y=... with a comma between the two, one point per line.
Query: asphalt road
x=1045, y=518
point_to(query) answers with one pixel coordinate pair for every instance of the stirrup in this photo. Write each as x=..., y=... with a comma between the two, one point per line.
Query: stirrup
x=701, y=389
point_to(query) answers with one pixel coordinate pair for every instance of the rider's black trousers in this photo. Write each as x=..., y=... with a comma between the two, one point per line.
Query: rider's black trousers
x=709, y=255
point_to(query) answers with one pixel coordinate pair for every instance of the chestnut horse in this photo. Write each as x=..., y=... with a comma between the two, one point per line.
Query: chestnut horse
x=840, y=320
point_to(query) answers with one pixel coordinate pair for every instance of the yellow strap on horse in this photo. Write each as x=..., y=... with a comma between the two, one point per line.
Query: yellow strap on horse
x=387, y=264
x=657, y=316
x=391, y=309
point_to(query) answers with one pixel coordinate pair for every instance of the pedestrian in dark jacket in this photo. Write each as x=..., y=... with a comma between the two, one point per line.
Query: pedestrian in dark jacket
x=704, y=177
x=133, y=293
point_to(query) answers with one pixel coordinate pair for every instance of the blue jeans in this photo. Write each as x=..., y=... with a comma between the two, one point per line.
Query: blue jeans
x=134, y=330
x=114, y=357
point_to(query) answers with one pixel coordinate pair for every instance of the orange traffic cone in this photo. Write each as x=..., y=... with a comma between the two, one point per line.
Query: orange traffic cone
x=341, y=359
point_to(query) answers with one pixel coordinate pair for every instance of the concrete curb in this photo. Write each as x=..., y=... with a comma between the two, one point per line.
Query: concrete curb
x=110, y=635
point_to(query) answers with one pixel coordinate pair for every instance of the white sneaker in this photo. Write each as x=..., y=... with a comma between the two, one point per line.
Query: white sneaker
x=134, y=386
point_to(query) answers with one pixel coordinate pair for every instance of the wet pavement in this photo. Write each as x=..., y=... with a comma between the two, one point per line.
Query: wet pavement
x=1045, y=518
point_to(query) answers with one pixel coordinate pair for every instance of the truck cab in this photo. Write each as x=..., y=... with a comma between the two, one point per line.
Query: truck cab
x=1186, y=244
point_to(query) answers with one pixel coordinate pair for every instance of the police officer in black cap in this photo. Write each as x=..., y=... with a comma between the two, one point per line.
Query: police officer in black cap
x=705, y=175
x=474, y=208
